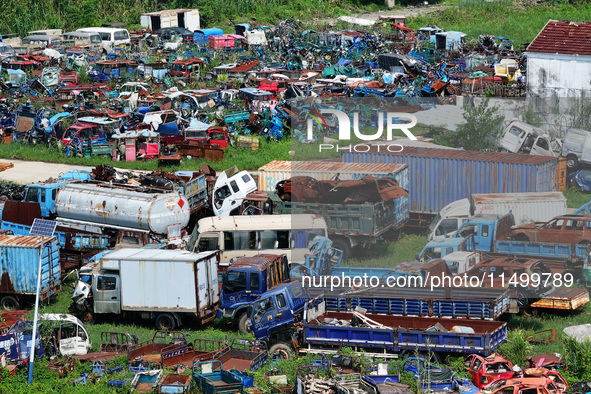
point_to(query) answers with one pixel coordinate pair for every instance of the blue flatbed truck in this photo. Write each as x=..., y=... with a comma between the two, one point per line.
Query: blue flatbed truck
x=289, y=322
x=459, y=303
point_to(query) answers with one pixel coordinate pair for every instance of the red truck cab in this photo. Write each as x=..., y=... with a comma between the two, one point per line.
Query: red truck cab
x=83, y=132
x=485, y=370
x=219, y=136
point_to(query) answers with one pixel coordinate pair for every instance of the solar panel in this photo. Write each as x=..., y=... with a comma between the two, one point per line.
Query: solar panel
x=44, y=228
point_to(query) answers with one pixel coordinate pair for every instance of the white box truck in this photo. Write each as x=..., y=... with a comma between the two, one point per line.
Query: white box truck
x=167, y=286
x=526, y=208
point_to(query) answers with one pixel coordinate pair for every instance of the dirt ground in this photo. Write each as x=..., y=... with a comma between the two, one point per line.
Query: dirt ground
x=34, y=171
x=411, y=11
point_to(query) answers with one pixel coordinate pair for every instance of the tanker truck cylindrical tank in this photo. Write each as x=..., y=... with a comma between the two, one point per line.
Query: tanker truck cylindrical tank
x=123, y=208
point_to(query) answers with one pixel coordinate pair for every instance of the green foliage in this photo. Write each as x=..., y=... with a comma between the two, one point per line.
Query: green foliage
x=575, y=197
x=457, y=365
x=83, y=77
x=479, y=131
x=578, y=358
x=23, y=16
x=517, y=349
x=530, y=117
x=409, y=379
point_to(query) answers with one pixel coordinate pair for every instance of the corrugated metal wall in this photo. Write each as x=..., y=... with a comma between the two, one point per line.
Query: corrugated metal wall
x=19, y=261
x=438, y=177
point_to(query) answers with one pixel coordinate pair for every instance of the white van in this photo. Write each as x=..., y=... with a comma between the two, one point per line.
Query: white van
x=90, y=41
x=247, y=236
x=110, y=36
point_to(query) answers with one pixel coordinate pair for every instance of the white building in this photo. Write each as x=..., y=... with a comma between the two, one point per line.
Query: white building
x=187, y=18
x=559, y=61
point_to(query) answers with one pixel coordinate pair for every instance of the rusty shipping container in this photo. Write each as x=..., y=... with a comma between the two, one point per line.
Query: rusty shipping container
x=19, y=258
x=272, y=173
x=438, y=177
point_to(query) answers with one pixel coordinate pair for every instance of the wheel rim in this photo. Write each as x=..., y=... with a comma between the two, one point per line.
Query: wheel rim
x=281, y=354
x=521, y=300
x=165, y=324
x=87, y=316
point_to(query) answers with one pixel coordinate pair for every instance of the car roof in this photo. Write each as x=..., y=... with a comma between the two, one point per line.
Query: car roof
x=101, y=29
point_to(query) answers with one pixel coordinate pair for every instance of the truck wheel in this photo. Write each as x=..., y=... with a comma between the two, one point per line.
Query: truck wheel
x=165, y=322
x=343, y=245
x=9, y=303
x=572, y=162
x=88, y=316
x=281, y=351
x=522, y=300
x=244, y=324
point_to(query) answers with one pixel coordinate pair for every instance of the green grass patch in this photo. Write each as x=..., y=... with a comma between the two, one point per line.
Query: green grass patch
x=243, y=158
x=575, y=197
x=519, y=22
x=403, y=247
x=541, y=321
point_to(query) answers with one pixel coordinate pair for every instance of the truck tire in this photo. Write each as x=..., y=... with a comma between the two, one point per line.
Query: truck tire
x=88, y=316
x=522, y=300
x=9, y=303
x=572, y=162
x=281, y=351
x=244, y=323
x=165, y=322
x=343, y=245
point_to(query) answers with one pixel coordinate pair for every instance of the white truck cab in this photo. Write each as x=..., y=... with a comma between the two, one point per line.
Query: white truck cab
x=449, y=219
x=460, y=262
x=72, y=339
x=520, y=137
x=231, y=187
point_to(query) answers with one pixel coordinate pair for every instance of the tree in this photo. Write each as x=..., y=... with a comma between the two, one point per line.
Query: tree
x=479, y=131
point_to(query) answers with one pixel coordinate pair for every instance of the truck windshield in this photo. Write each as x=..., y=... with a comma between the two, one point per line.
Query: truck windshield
x=261, y=308
x=32, y=195
x=235, y=282
x=453, y=266
x=434, y=223
x=297, y=293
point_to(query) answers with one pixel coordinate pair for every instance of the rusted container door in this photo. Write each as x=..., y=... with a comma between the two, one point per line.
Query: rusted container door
x=129, y=149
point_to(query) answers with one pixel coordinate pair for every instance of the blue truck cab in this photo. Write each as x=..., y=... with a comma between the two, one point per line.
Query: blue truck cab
x=485, y=230
x=246, y=280
x=44, y=194
x=276, y=311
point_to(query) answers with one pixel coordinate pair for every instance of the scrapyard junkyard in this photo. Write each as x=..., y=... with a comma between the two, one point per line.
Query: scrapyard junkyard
x=362, y=204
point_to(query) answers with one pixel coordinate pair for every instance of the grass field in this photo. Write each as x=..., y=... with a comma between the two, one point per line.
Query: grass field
x=519, y=21
x=245, y=159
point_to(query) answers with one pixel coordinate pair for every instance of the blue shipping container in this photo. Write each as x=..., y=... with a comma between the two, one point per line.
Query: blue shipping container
x=438, y=177
x=19, y=260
